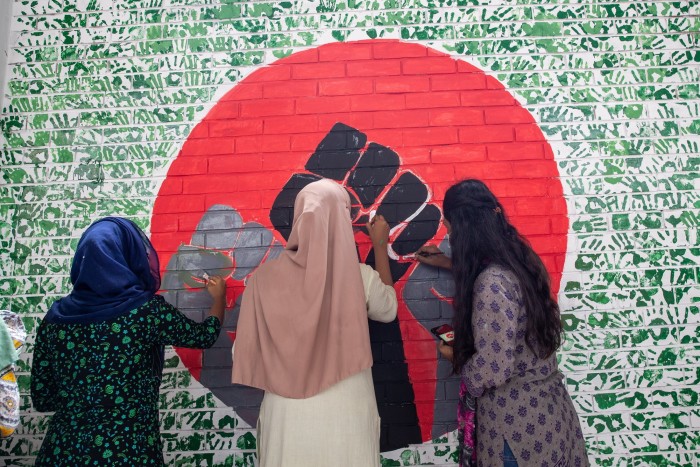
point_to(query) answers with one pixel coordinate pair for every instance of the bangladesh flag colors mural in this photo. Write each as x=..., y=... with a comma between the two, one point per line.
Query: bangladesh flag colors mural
x=201, y=120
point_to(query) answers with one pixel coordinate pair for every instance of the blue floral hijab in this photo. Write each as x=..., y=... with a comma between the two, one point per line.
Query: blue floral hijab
x=115, y=270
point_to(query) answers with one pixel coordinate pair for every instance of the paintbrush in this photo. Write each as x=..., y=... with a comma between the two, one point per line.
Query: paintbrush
x=424, y=254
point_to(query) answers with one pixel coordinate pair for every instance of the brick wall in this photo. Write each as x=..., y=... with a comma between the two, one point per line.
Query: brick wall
x=200, y=120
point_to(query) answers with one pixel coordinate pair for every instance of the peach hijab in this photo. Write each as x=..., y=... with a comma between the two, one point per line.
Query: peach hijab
x=303, y=321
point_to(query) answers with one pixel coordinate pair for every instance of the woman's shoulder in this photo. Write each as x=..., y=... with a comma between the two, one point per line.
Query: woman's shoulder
x=370, y=277
x=155, y=300
x=497, y=270
x=497, y=276
x=150, y=305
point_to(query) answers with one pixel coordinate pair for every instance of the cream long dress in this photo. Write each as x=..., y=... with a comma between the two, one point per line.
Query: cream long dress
x=338, y=427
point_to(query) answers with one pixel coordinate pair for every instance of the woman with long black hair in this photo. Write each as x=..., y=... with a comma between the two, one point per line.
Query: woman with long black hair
x=507, y=331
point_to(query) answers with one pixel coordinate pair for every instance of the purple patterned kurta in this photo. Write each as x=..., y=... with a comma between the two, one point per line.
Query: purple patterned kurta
x=520, y=398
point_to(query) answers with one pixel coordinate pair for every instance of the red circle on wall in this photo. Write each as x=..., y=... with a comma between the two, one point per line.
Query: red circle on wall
x=446, y=119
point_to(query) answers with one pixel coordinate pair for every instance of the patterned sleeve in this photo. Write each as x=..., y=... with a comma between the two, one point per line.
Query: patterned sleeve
x=42, y=388
x=174, y=328
x=497, y=310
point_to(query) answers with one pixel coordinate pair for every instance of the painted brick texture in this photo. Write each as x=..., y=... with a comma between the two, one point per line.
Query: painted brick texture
x=194, y=118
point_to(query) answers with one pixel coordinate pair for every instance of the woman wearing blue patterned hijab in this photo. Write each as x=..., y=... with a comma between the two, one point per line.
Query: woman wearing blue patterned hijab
x=115, y=269
x=98, y=354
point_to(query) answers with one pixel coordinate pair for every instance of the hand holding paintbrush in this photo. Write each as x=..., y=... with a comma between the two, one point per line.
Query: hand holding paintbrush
x=378, y=230
x=433, y=256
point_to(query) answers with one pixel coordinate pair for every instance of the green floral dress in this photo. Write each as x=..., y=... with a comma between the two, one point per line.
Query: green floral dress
x=99, y=378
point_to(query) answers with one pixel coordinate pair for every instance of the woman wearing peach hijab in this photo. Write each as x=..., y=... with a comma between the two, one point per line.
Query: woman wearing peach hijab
x=303, y=337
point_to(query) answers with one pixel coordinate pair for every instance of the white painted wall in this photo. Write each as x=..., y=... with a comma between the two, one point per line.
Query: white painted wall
x=5, y=16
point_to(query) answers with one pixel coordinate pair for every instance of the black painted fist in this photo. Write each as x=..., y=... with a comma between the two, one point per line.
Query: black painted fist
x=372, y=176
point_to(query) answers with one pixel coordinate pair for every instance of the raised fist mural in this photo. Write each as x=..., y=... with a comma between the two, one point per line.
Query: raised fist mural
x=224, y=245
x=371, y=174
x=395, y=124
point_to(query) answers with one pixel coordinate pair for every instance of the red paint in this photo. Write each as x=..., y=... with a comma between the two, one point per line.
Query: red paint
x=444, y=118
x=168, y=223
x=405, y=84
x=465, y=81
x=432, y=100
x=431, y=136
x=486, y=98
x=456, y=117
x=178, y=203
x=261, y=144
x=206, y=147
x=290, y=89
x=401, y=119
x=324, y=104
x=234, y=128
x=374, y=68
x=459, y=153
x=429, y=65
x=345, y=86
x=505, y=114
x=266, y=107
x=318, y=70
x=378, y=102
x=388, y=49
x=224, y=164
x=515, y=151
x=493, y=134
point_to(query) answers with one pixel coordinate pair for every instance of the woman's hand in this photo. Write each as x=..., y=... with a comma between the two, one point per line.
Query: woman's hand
x=446, y=351
x=216, y=286
x=432, y=256
x=378, y=230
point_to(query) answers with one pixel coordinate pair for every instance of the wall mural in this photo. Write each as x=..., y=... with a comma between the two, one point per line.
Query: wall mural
x=335, y=112
x=101, y=95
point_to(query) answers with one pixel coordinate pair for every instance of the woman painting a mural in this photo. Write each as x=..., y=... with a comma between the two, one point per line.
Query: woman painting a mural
x=98, y=355
x=303, y=337
x=507, y=331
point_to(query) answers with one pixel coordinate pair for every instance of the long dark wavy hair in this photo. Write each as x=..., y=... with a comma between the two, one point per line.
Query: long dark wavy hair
x=481, y=234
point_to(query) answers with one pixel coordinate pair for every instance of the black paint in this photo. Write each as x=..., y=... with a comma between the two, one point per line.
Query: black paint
x=374, y=171
x=337, y=153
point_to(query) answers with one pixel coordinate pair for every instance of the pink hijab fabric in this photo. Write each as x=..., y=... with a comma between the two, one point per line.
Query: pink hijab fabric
x=303, y=323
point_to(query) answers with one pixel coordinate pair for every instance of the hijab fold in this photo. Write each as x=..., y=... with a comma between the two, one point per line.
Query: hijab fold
x=303, y=322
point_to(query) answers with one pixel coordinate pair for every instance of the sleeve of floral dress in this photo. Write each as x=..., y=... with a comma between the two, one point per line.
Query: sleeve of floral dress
x=42, y=387
x=496, y=314
x=174, y=328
